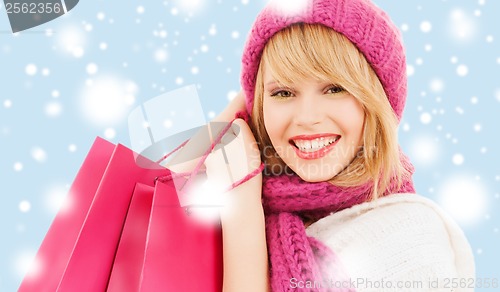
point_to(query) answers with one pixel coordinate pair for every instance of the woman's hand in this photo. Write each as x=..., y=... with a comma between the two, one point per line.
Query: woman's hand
x=187, y=157
x=236, y=105
x=242, y=216
x=234, y=157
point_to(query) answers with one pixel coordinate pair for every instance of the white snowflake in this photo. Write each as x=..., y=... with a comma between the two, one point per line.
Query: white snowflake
x=72, y=40
x=462, y=27
x=87, y=27
x=167, y=124
x=101, y=16
x=406, y=127
x=437, y=85
x=45, y=72
x=458, y=159
x=462, y=70
x=212, y=30
x=91, y=68
x=53, y=109
x=425, y=118
x=464, y=198
x=106, y=100
x=410, y=70
x=24, y=263
x=55, y=198
x=160, y=55
x=72, y=148
x=231, y=95
x=18, y=166
x=289, y=7
x=425, y=26
x=39, y=154
x=110, y=133
x=7, y=103
x=24, y=206
x=31, y=69
x=235, y=34
x=424, y=150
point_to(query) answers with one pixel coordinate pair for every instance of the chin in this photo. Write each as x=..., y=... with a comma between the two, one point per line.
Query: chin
x=315, y=178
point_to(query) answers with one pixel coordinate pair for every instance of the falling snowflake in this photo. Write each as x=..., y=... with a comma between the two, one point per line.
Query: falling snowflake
x=458, y=159
x=24, y=206
x=106, y=100
x=91, y=68
x=425, y=26
x=425, y=118
x=462, y=70
x=31, y=69
x=39, y=154
x=53, y=109
x=464, y=198
x=462, y=27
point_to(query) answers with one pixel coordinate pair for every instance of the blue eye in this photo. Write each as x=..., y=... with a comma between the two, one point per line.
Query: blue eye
x=335, y=89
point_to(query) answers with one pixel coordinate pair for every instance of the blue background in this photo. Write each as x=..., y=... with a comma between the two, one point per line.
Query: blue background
x=78, y=76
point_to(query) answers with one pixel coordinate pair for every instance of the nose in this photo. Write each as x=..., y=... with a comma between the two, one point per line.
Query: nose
x=308, y=111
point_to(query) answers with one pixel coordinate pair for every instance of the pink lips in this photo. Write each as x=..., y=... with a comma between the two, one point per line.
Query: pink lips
x=316, y=154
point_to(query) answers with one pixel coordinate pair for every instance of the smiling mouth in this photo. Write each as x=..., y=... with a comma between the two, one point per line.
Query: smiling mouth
x=315, y=146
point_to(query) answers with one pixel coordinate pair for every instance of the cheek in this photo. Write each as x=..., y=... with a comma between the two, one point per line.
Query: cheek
x=271, y=121
x=352, y=117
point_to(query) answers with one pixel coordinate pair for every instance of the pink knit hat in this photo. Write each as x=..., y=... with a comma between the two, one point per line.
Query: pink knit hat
x=363, y=23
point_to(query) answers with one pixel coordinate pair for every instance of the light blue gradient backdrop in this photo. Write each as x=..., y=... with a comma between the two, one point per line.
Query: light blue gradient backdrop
x=117, y=56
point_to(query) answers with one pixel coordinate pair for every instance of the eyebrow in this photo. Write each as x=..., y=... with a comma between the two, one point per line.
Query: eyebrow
x=272, y=83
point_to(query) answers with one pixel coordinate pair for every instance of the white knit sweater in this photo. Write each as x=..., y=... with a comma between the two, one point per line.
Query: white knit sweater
x=402, y=242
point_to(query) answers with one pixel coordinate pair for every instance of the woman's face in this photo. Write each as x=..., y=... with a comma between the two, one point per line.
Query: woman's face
x=315, y=127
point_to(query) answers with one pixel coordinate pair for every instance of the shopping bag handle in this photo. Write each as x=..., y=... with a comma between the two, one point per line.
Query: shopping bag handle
x=196, y=169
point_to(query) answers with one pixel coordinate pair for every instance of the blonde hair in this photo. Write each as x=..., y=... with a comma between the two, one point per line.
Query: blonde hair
x=315, y=51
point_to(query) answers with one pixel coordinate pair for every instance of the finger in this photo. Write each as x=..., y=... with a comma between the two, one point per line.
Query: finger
x=217, y=168
x=244, y=133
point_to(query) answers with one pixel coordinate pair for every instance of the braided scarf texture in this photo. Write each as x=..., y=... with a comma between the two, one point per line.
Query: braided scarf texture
x=293, y=255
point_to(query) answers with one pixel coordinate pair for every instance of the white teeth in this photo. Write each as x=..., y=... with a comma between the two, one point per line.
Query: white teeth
x=314, y=145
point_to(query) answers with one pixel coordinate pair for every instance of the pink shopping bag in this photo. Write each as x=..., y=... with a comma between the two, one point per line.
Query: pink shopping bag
x=56, y=249
x=90, y=229
x=129, y=259
x=91, y=262
x=183, y=253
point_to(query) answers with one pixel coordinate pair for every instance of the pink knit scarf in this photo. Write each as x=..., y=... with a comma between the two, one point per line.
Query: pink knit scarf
x=293, y=255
